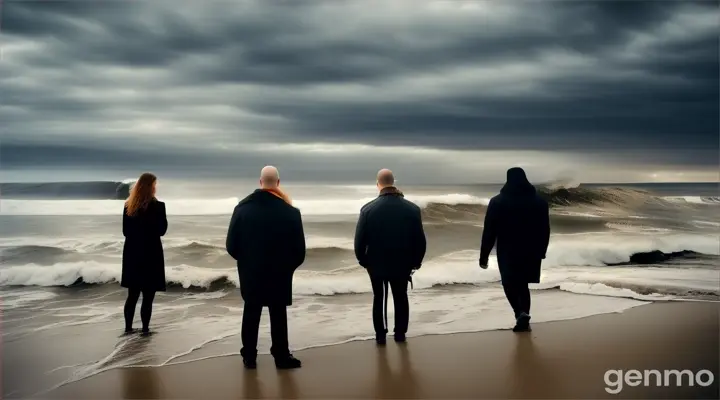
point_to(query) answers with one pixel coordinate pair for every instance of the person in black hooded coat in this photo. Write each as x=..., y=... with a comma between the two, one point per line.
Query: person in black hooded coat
x=518, y=220
x=267, y=240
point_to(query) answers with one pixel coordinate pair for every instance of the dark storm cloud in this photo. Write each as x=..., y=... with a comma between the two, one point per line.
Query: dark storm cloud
x=190, y=77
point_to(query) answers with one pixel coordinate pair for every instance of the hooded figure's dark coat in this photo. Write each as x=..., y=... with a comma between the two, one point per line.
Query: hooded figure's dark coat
x=518, y=221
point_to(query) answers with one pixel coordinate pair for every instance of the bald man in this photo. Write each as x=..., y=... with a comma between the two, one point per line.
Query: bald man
x=267, y=240
x=390, y=244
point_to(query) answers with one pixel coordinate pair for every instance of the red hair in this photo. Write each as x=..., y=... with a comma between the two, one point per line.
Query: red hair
x=141, y=194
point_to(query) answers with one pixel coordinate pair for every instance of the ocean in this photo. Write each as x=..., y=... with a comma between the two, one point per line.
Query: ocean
x=613, y=247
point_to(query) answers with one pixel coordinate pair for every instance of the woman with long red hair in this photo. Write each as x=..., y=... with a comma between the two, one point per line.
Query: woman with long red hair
x=143, y=264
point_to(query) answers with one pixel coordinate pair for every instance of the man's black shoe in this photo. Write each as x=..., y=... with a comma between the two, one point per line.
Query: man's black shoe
x=250, y=363
x=287, y=362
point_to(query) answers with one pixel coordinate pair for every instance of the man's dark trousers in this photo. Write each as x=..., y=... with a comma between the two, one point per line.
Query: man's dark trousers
x=278, y=329
x=380, y=288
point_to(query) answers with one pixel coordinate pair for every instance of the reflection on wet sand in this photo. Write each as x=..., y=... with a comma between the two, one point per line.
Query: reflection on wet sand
x=528, y=374
x=288, y=385
x=396, y=384
x=252, y=385
x=139, y=383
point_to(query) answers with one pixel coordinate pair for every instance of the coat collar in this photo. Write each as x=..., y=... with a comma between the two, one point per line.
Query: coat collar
x=391, y=191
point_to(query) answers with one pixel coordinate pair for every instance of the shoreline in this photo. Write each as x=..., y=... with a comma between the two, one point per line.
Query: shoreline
x=371, y=337
x=559, y=359
x=50, y=358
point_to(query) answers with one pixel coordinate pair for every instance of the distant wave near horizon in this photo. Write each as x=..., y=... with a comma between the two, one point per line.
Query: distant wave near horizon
x=105, y=198
x=93, y=190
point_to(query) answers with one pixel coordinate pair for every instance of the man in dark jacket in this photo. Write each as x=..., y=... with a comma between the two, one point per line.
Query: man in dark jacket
x=390, y=244
x=518, y=219
x=267, y=240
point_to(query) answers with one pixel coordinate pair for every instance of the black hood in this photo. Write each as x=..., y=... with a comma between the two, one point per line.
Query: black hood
x=517, y=183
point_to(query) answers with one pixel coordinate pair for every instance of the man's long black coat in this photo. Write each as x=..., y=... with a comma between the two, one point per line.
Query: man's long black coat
x=266, y=238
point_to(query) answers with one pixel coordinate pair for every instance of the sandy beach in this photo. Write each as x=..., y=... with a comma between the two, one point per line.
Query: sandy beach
x=564, y=359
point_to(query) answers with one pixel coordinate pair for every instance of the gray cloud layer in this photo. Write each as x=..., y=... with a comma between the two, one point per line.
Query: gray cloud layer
x=201, y=78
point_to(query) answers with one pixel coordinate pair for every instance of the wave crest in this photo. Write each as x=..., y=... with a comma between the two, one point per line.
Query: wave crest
x=98, y=190
x=567, y=261
x=623, y=197
x=19, y=251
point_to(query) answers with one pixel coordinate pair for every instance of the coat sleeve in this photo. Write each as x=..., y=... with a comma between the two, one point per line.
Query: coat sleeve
x=489, y=235
x=361, y=239
x=544, y=229
x=126, y=224
x=232, y=242
x=162, y=223
x=419, y=242
x=298, y=240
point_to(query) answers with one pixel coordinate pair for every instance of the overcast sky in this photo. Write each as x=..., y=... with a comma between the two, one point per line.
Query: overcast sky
x=438, y=91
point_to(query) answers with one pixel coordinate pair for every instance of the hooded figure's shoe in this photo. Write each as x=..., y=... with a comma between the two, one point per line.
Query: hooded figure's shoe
x=522, y=324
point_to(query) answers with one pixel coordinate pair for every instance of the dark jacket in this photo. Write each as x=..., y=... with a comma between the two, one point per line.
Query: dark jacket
x=389, y=237
x=143, y=263
x=266, y=238
x=518, y=219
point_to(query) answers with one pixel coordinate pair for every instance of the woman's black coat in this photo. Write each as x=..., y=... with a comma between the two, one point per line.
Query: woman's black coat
x=143, y=264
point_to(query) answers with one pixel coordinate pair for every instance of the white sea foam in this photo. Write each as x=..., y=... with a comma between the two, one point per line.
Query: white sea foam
x=213, y=206
x=601, y=289
x=650, y=283
x=579, y=214
x=612, y=248
x=706, y=223
x=114, y=243
x=21, y=298
x=635, y=228
x=694, y=199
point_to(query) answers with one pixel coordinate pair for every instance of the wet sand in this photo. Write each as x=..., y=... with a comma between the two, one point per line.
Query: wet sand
x=564, y=359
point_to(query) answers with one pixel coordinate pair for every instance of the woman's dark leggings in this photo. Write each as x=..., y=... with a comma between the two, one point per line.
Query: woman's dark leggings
x=145, y=308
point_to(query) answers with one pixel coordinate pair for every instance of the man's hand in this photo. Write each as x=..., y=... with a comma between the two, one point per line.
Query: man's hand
x=483, y=263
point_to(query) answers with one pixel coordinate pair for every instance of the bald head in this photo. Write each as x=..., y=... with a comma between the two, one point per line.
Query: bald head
x=269, y=177
x=385, y=178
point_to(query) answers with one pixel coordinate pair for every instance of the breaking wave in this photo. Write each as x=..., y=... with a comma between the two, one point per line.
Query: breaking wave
x=568, y=261
x=100, y=190
x=622, y=197
x=18, y=251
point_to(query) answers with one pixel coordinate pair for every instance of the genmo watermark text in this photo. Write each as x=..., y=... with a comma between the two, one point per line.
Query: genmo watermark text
x=616, y=380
